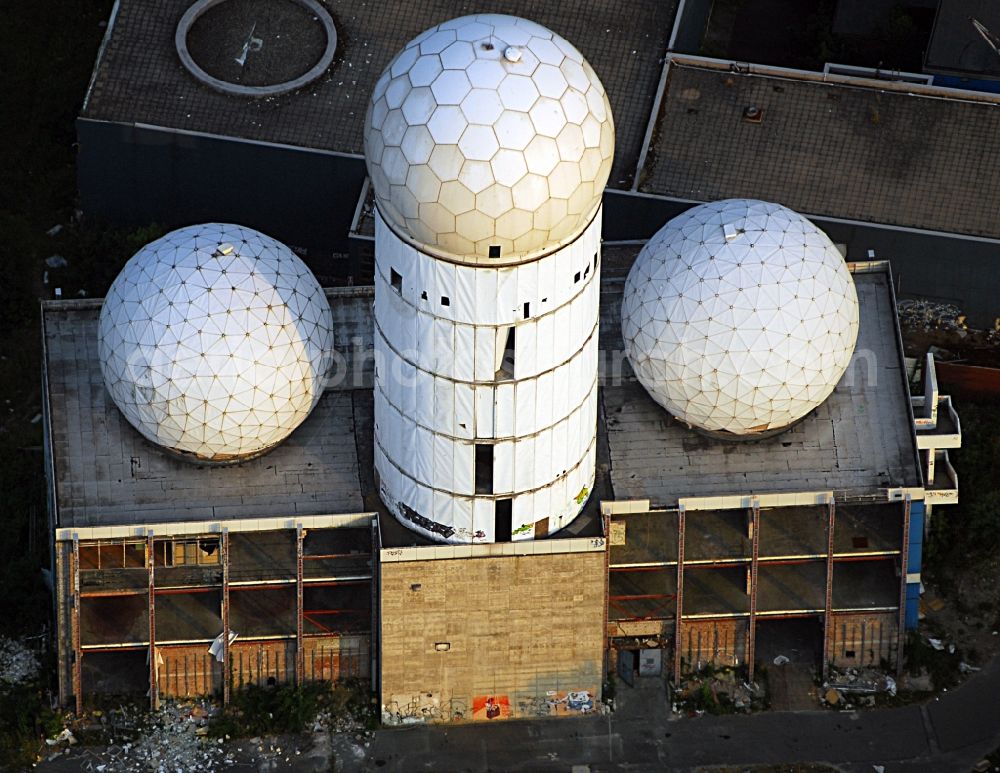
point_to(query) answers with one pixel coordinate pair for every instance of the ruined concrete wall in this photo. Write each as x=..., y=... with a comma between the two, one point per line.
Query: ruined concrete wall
x=490, y=638
x=859, y=639
x=719, y=642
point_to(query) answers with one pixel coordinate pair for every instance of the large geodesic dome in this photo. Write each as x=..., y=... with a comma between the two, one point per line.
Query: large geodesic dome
x=488, y=136
x=739, y=317
x=214, y=342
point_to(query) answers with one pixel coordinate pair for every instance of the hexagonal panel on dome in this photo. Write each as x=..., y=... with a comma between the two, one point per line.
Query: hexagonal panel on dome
x=507, y=109
x=739, y=317
x=214, y=342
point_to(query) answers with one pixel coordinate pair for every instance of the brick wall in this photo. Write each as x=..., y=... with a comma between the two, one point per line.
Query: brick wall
x=858, y=639
x=526, y=631
x=720, y=642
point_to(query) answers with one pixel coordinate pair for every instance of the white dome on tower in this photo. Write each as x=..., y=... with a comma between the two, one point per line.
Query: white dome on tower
x=485, y=132
x=214, y=341
x=739, y=316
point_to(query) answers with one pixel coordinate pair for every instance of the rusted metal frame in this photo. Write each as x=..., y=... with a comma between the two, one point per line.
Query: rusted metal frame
x=300, y=655
x=225, y=617
x=904, y=558
x=678, y=624
x=154, y=698
x=831, y=509
x=754, y=556
x=74, y=570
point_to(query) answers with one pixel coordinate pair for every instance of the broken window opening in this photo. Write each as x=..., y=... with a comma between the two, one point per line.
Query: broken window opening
x=484, y=468
x=494, y=250
x=576, y=277
x=396, y=280
x=502, y=519
x=527, y=309
x=506, y=340
x=445, y=300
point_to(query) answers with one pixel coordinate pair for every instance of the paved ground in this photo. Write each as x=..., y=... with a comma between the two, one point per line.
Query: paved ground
x=949, y=734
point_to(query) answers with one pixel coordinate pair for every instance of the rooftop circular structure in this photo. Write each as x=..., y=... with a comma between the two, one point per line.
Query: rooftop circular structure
x=214, y=342
x=739, y=317
x=488, y=138
x=256, y=48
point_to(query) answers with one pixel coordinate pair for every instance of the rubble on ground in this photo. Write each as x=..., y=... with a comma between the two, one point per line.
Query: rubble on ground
x=849, y=688
x=925, y=316
x=928, y=315
x=18, y=663
x=720, y=691
x=171, y=739
x=176, y=738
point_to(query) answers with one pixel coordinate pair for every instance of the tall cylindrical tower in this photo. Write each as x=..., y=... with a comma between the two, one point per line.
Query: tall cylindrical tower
x=489, y=140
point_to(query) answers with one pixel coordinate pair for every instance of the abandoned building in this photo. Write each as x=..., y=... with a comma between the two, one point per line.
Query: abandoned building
x=484, y=505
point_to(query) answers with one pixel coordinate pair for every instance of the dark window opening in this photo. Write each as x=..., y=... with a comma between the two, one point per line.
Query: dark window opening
x=595, y=260
x=423, y=295
x=848, y=653
x=586, y=271
x=396, y=280
x=502, y=520
x=506, y=369
x=494, y=250
x=445, y=300
x=484, y=468
x=576, y=277
x=527, y=310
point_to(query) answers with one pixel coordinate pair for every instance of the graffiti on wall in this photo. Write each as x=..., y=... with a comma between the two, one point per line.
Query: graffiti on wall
x=556, y=702
x=490, y=707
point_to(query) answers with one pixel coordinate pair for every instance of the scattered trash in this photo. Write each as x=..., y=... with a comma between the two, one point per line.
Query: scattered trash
x=54, y=230
x=56, y=261
x=781, y=660
x=965, y=668
x=833, y=697
x=878, y=768
x=65, y=735
x=936, y=643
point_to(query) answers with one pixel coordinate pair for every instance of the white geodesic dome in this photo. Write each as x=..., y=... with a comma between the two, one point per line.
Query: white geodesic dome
x=214, y=341
x=739, y=316
x=485, y=132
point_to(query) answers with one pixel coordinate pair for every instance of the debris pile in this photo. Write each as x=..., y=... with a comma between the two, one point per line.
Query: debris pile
x=172, y=739
x=18, y=664
x=852, y=687
x=717, y=692
x=930, y=315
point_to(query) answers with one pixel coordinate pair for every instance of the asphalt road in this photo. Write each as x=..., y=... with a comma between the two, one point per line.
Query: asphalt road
x=948, y=734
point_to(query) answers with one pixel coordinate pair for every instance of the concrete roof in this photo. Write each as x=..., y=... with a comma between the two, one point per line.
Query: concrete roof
x=897, y=154
x=139, y=78
x=858, y=443
x=955, y=45
x=106, y=473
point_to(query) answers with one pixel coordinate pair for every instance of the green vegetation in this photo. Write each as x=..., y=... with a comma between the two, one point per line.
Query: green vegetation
x=970, y=531
x=289, y=708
